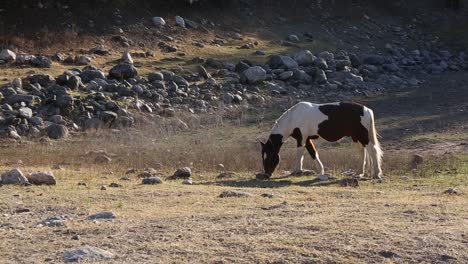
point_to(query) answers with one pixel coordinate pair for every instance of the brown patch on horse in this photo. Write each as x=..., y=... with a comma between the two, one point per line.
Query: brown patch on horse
x=311, y=148
x=344, y=120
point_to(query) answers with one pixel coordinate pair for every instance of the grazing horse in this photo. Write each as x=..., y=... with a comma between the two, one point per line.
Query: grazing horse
x=306, y=122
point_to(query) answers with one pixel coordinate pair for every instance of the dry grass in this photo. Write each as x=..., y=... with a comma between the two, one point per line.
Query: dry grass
x=175, y=223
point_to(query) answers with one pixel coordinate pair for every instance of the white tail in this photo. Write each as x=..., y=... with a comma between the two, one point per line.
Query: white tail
x=375, y=150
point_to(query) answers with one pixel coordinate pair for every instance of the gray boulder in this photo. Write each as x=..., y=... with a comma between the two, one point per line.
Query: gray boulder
x=55, y=221
x=373, y=59
x=86, y=253
x=42, y=178
x=158, y=21
x=25, y=112
x=326, y=55
x=56, y=131
x=152, y=180
x=281, y=61
x=123, y=71
x=185, y=172
x=127, y=58
x=180, y=21
x=14, y=176
x=304, y=57
x=41, y=62
x=254, y=75
x=7, y=55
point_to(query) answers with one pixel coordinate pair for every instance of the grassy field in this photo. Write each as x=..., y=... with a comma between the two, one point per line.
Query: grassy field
x=404, y=219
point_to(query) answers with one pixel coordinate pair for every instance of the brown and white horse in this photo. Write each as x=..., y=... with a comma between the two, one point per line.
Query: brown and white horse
x=306, y=122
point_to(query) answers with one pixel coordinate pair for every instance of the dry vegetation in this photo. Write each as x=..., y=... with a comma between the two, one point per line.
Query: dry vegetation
x=306, y=221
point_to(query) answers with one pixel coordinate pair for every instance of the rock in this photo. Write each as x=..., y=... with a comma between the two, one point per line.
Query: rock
x=234, y=193
x=281, y=61
x=102, y=216
x=41, y=62
x=323, y=177
x=42, y=178
x=56, y=131
x=155, y=76
x=127, y=58
x=56, y=119
x=83, y=60
x=451, y=191
x=293, y=38
x=14, y=176
x=86, y=253
x=7, y=56
x=17, y=83
x=203, y=72
x=271, y=195
x=404, y=178
x=180, y=21
x=158, y=21
x=123, y=71
x=320, y=76
x=254, y=75
x=18, y=98
x=55, y=221
x=115, y=185
x=184, y=172
x=187, y=181
x=25, y=112
x=151, y=180
x=326, y=55
x=286, y=75
x=74, y=83
x=89, y=75
x=304, y=58
x=100, y=49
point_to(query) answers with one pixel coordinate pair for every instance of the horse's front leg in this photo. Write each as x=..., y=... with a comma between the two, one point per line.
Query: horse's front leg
x=299, y=160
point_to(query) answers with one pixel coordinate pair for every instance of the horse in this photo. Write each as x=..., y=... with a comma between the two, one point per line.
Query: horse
x=306, y=122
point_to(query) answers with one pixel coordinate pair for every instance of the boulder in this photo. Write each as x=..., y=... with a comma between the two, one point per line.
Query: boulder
x=87, y=254
x=180, y=21
x=41, y=62
x=254, y=75
x=127, y=58
x=304, y=57
x=151, y=180
x=14, y=176
x=185, y=172
x=7, y=55
x=42, y=178
x=123, y=71
x=158, y=21
x=56, y=131
x=282, y=61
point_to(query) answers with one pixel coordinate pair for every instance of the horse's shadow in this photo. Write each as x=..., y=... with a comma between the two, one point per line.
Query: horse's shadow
x=273, y=183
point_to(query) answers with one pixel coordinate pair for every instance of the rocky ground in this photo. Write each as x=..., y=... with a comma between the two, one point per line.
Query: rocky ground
x=140, y=145
x=100, y=88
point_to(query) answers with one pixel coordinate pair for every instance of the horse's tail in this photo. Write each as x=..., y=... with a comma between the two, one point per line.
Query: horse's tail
x=373, y=137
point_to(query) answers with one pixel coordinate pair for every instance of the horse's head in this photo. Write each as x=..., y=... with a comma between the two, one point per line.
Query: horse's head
x=270, y=153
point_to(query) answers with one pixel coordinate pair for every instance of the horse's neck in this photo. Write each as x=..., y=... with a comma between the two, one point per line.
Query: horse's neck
x=281, y=126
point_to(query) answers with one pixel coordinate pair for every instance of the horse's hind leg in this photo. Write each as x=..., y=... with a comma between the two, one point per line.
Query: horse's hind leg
x=314, y=154
x=364, y=162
